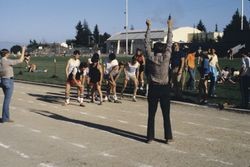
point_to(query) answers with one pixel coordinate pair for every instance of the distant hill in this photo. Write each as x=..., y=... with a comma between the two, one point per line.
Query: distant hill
x=8, y=45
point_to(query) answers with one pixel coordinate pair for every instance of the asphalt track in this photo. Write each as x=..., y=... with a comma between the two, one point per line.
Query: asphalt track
x=47, y=134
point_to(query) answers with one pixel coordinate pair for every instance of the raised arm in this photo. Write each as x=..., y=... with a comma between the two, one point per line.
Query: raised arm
x=170, y=35
x=148, y=39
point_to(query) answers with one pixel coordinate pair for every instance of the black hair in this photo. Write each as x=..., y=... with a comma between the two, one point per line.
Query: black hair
x=83, y=65
x=76, y=52
x=159, y=47
x=112, y=56
x=138, y=49
x=95, y=58
x=4, y=52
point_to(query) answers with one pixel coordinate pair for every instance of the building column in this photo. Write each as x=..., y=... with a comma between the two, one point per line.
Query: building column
x=132, y=47
x=118, y=47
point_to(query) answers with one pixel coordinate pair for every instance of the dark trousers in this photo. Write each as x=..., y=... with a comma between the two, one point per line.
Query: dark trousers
x=159, y=93
x=244, y=90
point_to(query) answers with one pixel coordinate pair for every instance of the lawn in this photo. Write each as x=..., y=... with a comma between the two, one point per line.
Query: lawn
x=55, y=66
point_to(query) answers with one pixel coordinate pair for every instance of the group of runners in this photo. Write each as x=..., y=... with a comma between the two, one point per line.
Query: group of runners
x=93, y=74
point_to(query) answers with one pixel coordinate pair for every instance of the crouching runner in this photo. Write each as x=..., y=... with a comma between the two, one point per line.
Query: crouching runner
x=75, y=79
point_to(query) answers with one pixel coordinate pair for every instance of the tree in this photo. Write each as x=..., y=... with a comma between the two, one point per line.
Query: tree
x=33, y=44
x=200, y=26
x=79, y=34
x=233, y=32
x=87, y=35
x=235, y=24
x=216, y=28
x=15, y=49
x=96, y=35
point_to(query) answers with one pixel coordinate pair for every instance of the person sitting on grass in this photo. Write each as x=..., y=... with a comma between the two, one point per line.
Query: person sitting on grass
x=75, y=78
x=131, y=72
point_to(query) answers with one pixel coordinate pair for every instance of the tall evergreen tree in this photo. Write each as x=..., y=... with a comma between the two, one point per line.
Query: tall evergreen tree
x=201, y=26
x=216, y=28
x=96, y=35
x=87, y=35
x=79, y=34
x=235, y=24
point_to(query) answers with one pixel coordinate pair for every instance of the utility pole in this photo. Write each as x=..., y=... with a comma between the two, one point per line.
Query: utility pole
x=126, y=26
x=242, y=14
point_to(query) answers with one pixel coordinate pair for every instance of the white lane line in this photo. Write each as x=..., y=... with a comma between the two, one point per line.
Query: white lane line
x=46, y=165
x=19, y=99
x=42, y=104
x=171, y=149
x=142, y=126
x=180, y=133
x=107, y=155
x=124, y=122
x=102, y=117
x=14, y=151
x=78, y=145
x=225, y=119
x=4, y=146
x=247, y=132
x=211, y=139
x=84, y=113
x=18, y=125
x=220, y=161
x=200, y=115
x=55, y=137
x=20, y=154
x=35, y=130
x=143, y=165
x=31, y=102
x=12, y=108
x=192, y=123
x=141, y=114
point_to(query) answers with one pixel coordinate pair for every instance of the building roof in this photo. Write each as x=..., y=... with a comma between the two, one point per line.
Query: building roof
x=138, y=34
x=179, y=34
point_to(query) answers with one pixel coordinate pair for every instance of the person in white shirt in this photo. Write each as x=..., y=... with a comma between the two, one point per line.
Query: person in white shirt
x=214, y=69
x=72, y=63
x=131, y=72
x=245, y=78
x=111, y=70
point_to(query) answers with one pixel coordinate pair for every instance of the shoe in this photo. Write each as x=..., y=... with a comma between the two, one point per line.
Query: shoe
x=82, y=105
x=105, y=98
x=65, y=103
x=134, y=99
x=78, y=99
x=149, y=141
x=8, y=121
x=117, y=101
x=166, y=141
x=100, y=103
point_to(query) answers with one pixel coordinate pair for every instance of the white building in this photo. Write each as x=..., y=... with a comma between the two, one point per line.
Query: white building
x=117, y=42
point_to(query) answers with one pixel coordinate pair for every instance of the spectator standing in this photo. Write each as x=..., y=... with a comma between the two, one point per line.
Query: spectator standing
x=214, y=69
x=177, y=66
x=190, y=67
x=245, y=78
x=156, y=70
x=7, y=80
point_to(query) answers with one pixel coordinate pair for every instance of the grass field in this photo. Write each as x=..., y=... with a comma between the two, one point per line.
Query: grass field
x=226, y=92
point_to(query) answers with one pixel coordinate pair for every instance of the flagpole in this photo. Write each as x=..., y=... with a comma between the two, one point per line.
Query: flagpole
x=242, y=14
x=126, y=26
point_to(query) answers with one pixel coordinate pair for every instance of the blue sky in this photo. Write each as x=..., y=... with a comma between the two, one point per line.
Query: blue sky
x=55, y=20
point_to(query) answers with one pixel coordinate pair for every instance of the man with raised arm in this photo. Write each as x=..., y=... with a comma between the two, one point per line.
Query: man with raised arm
x=156, y=70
